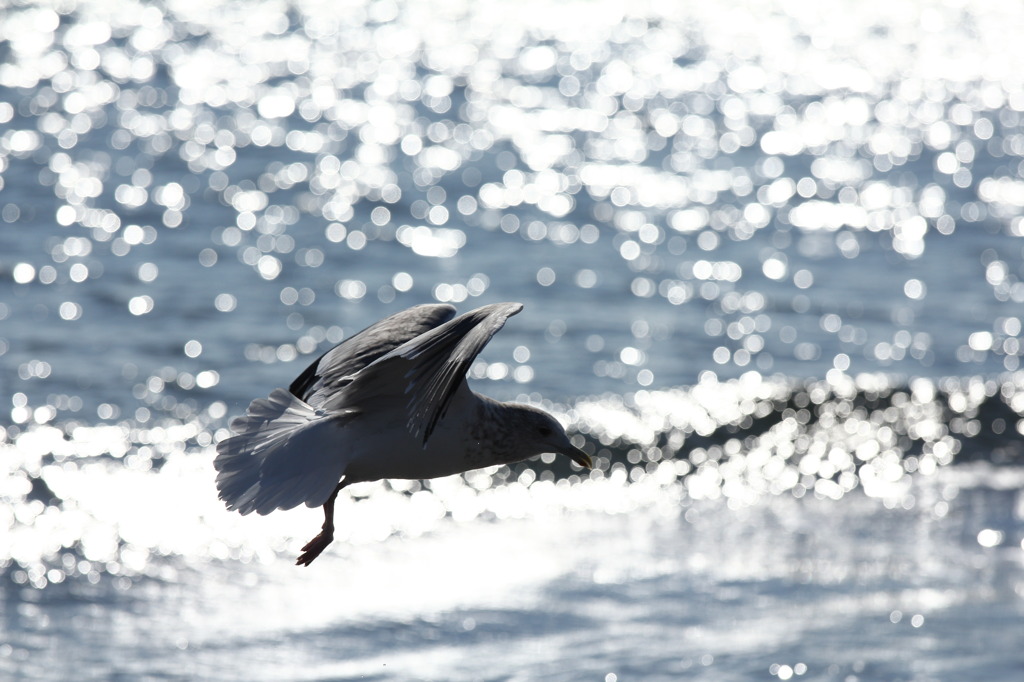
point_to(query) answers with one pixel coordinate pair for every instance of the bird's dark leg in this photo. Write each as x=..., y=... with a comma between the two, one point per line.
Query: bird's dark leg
x=318, y=544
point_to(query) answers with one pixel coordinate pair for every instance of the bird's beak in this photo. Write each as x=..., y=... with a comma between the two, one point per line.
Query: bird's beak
x=578, y=456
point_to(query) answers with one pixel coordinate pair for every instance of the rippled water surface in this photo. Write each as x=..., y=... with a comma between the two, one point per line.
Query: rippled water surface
x=772, y=257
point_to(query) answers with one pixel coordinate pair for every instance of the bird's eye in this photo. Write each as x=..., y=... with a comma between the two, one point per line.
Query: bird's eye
x=545, y=432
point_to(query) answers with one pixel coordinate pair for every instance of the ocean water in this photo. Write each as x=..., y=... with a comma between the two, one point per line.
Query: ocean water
x=772, y=258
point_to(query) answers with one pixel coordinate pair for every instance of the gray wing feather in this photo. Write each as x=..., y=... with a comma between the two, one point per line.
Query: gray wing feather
x=335, y=368
x=429, y=368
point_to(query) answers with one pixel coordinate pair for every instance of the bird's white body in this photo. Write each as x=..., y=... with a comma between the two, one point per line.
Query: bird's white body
x=377, y=445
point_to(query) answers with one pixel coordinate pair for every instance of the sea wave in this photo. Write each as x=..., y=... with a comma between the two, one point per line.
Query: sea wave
x=89, y=501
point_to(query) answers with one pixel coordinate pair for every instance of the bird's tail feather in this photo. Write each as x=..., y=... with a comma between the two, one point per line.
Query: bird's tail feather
x=283, y=454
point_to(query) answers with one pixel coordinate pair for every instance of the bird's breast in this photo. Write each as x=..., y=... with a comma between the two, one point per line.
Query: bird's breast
x=389, y=450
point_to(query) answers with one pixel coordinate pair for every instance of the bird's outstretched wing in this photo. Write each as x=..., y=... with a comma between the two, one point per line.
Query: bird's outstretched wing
x=335, y=368
x=427, y=369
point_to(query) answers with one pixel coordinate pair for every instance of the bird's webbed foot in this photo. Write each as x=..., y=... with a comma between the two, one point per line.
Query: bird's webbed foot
x=315, y=546
x=318, y=544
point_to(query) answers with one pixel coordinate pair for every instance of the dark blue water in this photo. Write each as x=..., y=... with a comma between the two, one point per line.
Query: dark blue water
x=773, y=271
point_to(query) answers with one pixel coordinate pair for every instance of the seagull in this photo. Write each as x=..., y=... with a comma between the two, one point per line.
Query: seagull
x=389, y=402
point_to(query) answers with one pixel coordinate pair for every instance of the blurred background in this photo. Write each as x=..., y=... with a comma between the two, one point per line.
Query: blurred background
x=772, y=258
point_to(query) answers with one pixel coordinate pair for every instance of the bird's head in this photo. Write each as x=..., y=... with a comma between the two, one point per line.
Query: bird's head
x=538, y=432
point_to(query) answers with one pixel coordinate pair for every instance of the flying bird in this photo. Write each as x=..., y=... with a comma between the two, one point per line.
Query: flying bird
x=389, y=402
